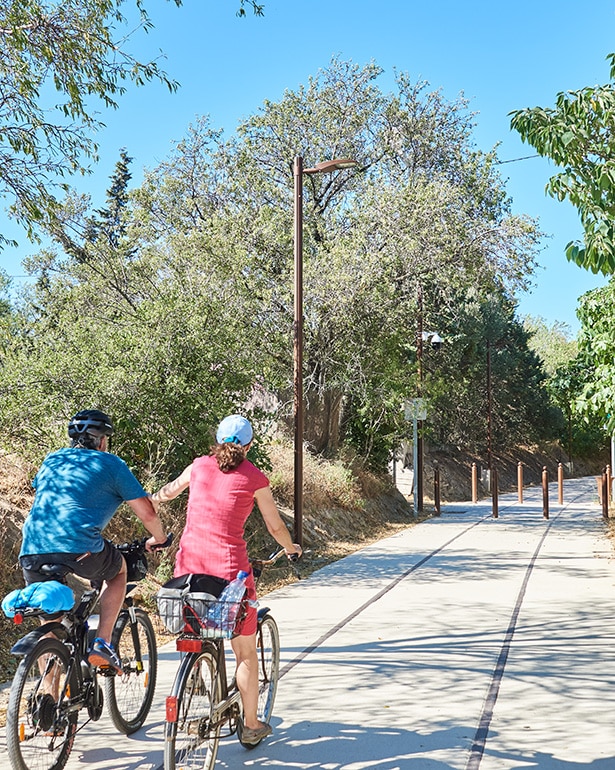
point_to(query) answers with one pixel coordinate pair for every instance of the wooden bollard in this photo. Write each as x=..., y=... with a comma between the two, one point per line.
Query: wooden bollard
x=545, y=492
x=474, y=483
x=560, y=483
x=436, y=490
x=609, y=479
x=520, y=481
x=494, y=492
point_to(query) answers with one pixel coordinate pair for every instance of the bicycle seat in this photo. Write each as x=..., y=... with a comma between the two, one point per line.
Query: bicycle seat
x=55, y=571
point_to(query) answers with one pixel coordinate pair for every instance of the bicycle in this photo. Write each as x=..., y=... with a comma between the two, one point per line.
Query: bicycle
x=54, y=680
x=202, y=700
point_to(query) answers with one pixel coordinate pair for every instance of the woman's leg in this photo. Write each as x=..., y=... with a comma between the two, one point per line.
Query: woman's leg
x=244, y=648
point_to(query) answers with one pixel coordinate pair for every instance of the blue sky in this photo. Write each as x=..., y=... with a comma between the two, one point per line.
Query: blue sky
x=501, y=56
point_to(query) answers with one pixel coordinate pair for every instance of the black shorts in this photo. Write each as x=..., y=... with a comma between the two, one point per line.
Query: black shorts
x=94, y=567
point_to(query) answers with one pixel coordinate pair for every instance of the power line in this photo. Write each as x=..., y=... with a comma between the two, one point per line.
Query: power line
x=514, y=160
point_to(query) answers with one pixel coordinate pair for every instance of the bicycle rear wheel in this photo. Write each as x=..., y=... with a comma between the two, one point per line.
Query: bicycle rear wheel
x=40, y=730
x=191, y=734
x=129, y=695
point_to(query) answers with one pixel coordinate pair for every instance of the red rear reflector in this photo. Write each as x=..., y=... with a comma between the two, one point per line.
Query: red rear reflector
x=171, y=708
x=18, y=619
x=189, y=644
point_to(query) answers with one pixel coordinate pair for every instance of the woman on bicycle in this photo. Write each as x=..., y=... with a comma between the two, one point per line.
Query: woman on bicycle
x=223, y=487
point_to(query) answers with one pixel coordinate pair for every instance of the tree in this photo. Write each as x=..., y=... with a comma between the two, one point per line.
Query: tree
x=577, y=134
x=597, y=349
x=423, y=207
x=553, y=343
x=182, y=291
x=479, y=326
x=55, y=57
x=113, y=325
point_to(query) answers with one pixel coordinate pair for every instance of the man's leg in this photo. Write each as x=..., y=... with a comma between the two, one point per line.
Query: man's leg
x=111, y=600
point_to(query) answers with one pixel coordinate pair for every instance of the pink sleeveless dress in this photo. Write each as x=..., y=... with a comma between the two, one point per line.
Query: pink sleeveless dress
x=213, y=539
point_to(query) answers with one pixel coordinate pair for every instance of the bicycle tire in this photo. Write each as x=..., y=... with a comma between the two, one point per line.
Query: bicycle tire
x=268, y=652
x=129, y=695
x=191, y=741
x=40, y=730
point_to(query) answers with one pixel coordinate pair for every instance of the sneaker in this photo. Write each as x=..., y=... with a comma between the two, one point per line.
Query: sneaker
x=102, y=654
x=255, y=736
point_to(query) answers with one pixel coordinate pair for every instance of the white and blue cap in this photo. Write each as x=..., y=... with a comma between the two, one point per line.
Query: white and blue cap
x=234, y=429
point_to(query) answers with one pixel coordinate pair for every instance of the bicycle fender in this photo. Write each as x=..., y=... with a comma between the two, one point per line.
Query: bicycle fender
x=262, y=611
x=27, y=643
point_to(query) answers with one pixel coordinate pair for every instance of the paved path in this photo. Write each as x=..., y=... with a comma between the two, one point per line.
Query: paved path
x=465, y=642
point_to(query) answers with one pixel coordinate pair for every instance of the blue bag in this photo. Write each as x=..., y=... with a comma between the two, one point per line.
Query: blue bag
x=49, y=597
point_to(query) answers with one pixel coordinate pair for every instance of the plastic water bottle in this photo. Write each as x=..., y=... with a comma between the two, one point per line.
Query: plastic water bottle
x=214, y=615
x=229, y=600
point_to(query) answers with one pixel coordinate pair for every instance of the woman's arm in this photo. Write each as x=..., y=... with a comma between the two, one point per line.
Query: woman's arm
x=145, y=511
x=273, y=521
x=173, y=488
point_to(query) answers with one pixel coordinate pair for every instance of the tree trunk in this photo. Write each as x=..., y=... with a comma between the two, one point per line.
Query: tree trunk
x=322, y=422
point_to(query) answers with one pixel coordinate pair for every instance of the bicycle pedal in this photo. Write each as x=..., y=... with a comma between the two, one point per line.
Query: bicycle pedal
x=108, y=671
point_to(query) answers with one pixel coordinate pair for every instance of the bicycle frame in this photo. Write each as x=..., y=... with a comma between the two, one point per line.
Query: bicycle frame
x=228, y=707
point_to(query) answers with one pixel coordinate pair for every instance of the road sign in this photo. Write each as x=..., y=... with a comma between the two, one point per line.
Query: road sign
x=415, y=409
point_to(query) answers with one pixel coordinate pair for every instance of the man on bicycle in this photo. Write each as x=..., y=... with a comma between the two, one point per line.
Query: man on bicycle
x=78, y=490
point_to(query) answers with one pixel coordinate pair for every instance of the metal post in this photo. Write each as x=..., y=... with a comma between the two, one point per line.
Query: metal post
x=494, y=492
x=436, y=490
x=605, y=496
x=298, y=354
x=545, y=492
x=520, y=482
x=419, y=434
x=489, y=404
x=560, y=483
x=474, y=483
x=326, y=167
x=415, y=450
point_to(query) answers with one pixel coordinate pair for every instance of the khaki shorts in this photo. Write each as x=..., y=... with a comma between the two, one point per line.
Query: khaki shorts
x=95, y=567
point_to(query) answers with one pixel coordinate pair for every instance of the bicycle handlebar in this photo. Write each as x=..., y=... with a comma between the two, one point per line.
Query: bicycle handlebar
x=138, y=545
x=166, y=544
x=274, y=557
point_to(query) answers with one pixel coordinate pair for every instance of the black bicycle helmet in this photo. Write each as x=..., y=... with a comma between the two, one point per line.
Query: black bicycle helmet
x=90, y=421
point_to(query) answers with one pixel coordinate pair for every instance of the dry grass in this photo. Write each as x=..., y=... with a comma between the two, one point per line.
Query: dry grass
x=343, y=512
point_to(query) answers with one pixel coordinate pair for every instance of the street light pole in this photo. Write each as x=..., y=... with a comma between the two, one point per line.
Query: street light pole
x=326, y=167
x=298, y=354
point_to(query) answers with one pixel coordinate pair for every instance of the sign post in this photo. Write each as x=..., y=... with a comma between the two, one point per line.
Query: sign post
x=415, y=410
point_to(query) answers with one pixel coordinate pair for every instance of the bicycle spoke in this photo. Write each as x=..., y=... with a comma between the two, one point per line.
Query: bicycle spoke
x=40, y=727
x=191, y=743
x=129, y=695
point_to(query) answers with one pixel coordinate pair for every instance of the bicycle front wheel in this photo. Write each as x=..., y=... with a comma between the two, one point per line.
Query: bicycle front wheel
x=40, y=728
x=268, y=651
x=192, y=732
x=129, y=695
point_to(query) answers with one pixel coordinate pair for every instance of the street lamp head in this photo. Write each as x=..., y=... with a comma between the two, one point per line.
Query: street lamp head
x=436, y=341
x=328, y=166
x=433, y=338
